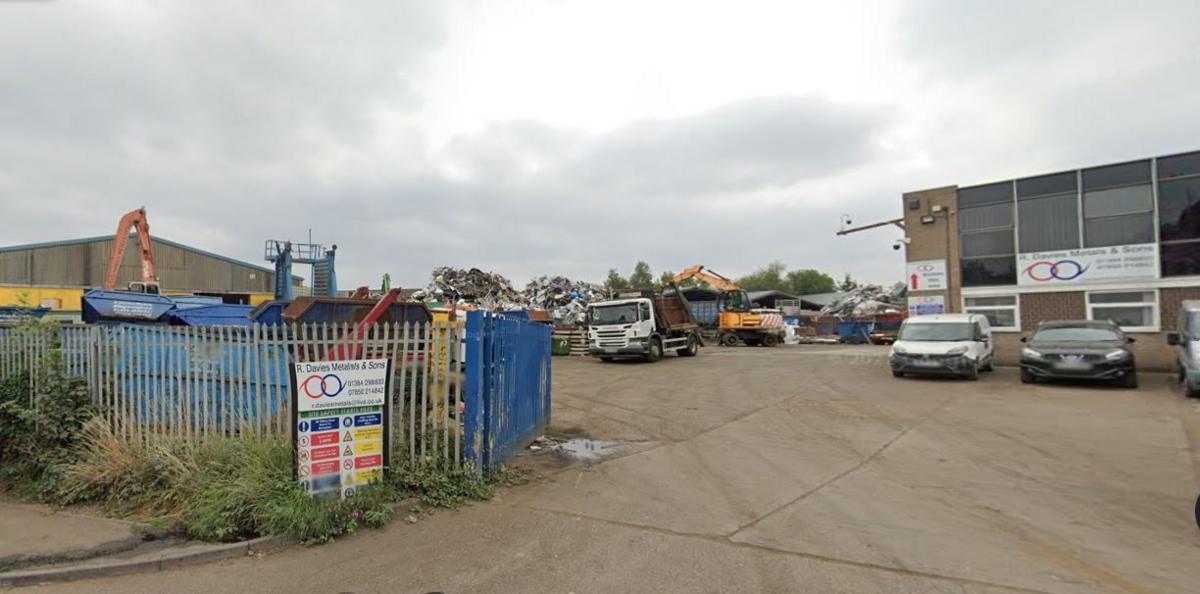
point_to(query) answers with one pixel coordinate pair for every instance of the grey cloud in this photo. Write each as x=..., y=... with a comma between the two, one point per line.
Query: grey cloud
x=238, y=122
x=742, y=146
x=956, y=40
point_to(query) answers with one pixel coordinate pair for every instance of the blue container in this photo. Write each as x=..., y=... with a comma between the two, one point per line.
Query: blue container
x=13, y=315
x=213, y=315
x=190, y=301
x=270, y=313
x=854, y=332
x=704, y=313
x=203, y=374
x=107, y=307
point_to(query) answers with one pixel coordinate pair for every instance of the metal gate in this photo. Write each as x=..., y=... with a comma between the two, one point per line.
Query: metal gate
x=507, y=388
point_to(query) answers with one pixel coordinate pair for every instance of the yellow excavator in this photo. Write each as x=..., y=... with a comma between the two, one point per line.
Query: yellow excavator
x=737, y=323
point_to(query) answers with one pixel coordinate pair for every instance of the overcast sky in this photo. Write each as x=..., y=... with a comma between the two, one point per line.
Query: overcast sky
x=566, y=137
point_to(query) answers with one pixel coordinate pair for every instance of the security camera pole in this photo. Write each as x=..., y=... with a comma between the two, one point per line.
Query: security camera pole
x=848, y=230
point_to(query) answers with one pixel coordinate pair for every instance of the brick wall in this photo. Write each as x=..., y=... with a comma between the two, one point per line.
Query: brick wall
x=1169, y=301
x=1151, y=349
x=937, y=240
x=1041, y=307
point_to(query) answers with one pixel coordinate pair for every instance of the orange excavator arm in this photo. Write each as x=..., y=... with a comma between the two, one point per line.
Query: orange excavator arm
x=711, y=278
x=137, y=221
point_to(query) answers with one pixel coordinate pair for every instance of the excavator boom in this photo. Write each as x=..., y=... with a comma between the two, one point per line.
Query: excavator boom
x=711, y=278
x=137, y=221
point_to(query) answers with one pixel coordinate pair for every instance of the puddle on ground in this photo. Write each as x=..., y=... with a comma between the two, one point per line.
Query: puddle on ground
x=588, y=449
x=577, y=448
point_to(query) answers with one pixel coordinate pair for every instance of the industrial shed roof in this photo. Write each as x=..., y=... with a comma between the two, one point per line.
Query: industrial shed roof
x=99, y=238
x=822, y=299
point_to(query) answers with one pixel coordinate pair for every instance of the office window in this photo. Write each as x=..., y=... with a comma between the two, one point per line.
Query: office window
x=1118, y=205
x=1132, y=310
x=1179, y=214
x=1048, y=212
x=986, y=235
x=1003, y=312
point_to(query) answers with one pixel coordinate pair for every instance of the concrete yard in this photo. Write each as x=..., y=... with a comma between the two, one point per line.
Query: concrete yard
x=797, y=469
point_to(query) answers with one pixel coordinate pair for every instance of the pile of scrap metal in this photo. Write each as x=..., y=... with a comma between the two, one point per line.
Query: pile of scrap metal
x=566, y=300
x=487, y=290
x=868, y=301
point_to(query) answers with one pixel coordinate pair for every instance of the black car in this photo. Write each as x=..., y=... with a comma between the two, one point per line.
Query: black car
x=1079, y=349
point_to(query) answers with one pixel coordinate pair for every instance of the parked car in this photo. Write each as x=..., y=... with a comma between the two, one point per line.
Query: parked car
x=946, y=344
x=1187, y=347
x=1079, y=349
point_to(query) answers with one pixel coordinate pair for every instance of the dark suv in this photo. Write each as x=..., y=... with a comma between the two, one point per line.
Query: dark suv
x=1079, y=349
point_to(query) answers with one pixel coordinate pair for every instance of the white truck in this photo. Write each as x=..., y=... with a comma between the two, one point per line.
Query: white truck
x=642, y=325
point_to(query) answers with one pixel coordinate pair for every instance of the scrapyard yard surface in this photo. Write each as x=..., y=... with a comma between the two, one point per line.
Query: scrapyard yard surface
x=800, y=469
x=818, y=451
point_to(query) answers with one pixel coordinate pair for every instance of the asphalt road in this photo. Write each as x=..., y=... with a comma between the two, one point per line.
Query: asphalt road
x=797, y=469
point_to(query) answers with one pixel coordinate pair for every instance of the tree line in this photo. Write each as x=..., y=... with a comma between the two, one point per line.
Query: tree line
x=773, y=276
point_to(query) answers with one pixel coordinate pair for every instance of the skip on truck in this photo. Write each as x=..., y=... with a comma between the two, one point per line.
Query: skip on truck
x=643, y=325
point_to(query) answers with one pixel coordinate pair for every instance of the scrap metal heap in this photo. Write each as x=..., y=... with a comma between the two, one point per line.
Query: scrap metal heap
x=868, y=300
x=566, y=300
x=488, y=290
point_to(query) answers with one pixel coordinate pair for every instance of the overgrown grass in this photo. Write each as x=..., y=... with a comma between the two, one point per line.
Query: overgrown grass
x=222, y=489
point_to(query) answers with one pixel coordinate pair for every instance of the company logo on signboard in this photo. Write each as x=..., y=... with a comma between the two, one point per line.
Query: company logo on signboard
x=926, y=275
x=328, y=385
x=926, y=305
x=1063, y=270
x=325, y=385
x=1075, y=266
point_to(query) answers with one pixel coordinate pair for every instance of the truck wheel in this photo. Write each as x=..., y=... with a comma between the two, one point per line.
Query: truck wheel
x=693, y=347
x=655, y=352
x=729, y=339
x=1027, y=376
x=1191, y=391
x=770, y=340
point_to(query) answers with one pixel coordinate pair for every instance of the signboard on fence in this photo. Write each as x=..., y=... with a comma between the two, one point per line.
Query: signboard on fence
x=340, y=421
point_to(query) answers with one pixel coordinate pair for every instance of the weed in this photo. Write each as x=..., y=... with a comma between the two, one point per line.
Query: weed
x=439, y=487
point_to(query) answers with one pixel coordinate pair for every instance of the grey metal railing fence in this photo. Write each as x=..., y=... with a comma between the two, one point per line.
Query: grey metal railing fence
x=201, y=382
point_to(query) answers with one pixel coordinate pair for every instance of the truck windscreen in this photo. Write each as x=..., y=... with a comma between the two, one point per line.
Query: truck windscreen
x=613, y=314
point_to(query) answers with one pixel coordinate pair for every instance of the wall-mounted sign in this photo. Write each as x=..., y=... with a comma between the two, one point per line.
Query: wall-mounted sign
x=1087, y=265
x=926, y=304
x=926, y=275
x=340, y=424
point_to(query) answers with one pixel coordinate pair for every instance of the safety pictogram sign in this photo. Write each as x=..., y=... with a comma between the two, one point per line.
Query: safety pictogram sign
x=340, y=424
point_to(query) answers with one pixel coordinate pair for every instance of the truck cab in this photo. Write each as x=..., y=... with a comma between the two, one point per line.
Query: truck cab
x=641, y=327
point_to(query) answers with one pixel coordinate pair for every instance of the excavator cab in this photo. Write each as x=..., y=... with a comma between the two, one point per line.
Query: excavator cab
x=143, y=287
x=734, y=300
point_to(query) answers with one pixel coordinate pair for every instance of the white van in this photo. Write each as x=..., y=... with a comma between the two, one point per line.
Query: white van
x=946, y=344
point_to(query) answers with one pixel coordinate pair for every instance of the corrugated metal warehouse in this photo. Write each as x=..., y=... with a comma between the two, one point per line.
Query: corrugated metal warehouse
x=55, y=274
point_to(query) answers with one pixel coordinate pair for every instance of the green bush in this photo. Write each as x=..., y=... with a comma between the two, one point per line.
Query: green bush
x=37, y=437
